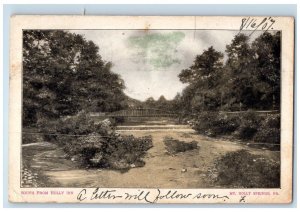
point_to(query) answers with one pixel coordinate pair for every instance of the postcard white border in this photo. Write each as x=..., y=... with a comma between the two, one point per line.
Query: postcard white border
x=19, y=23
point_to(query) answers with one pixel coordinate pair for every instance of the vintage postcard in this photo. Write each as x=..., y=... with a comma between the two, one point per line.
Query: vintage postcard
x=151, y=109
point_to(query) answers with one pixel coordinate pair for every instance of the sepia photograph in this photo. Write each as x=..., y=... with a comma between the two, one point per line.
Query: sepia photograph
x=153, y=108
x=119, y=108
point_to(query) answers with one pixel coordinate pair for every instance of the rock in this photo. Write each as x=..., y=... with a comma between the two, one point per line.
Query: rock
x=110, y=132
x=106, y=124
x=76, y=158
x=166, y=152
x=97, y=158
x=214, y=176
x=139, y=163
x=120, y=164
x=132, y=165
x=183, y=170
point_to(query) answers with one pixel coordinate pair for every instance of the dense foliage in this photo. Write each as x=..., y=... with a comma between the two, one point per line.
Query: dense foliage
x=56, y=68
x=248, y=79
x=269, y=130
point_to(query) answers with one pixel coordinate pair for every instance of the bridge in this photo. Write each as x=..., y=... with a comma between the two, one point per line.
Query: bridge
x=141, y=112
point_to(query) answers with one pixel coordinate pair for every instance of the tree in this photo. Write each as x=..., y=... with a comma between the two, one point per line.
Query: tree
x=47, y=59
x=252, y=72
x=162, y=103
x=241, y=74
x=176, y=103
x=203, y=78
x=267, y=56
x=63, y=74
x=149, y=103
x=250, y=78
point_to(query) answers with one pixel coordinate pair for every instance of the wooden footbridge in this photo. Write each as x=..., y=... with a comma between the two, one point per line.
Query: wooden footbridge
x=141, y=112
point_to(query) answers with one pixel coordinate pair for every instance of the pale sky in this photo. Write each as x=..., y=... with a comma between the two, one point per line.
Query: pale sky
x=149, y=61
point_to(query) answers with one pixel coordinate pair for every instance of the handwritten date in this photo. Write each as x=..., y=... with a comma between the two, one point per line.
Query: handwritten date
x=255, y=24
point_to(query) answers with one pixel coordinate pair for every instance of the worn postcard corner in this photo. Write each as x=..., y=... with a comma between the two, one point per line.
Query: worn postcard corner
x=190, y=109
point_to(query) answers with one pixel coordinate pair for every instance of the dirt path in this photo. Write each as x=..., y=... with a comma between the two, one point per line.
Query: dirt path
x=189, y=169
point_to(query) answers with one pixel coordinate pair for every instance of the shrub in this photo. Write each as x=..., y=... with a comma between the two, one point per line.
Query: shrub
x=225, y=124
x=98, y=145
x=174, y=146
x=213, y=124
x=28, y=138
x=249, y=124
x=203, y=122
x=244, y=126
x=269, y=131
x=244, y=170
x=127, y=152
